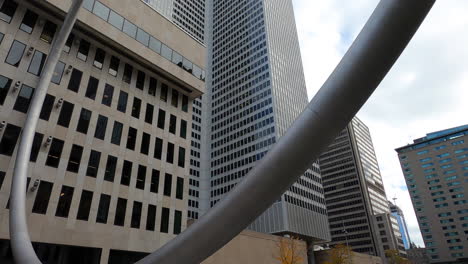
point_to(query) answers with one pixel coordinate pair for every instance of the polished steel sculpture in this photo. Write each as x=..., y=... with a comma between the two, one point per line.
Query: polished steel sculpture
x=373, y=53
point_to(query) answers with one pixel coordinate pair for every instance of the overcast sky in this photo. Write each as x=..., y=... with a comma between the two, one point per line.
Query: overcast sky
x=426, y=90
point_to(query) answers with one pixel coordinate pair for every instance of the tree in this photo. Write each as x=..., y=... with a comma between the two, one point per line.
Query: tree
x=289, y=251
x=340, y=254
x=394, y=257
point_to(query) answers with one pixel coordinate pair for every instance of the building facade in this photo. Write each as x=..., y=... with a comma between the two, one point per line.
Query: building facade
x=109, y=167
x=355, y=195
x=436, y=170
x=400, y=217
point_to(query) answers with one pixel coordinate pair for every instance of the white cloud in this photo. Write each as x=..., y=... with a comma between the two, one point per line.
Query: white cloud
x=424, y=92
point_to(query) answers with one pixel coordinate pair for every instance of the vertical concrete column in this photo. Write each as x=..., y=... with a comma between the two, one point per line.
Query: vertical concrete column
x=105, y=255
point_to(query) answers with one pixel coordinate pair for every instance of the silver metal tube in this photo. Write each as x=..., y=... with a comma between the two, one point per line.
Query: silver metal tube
x=23, y=251
x=373, y=53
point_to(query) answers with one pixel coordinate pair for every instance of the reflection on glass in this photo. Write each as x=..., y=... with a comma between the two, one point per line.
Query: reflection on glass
x=142, y=37
x=16, y=53
x=155, y=45
x=29, y=21
x=116, y=20
x=7, y=10
x=37, y=62
x=101, y=10
x=48, y=31
x=58, y=72
x=99, y=58
x=69, y=43
x=129, y=28
x=166, y=52
x=187, y=65
x=177, y=59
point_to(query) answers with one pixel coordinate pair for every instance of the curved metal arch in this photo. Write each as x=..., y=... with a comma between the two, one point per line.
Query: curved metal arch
x=371, y=56
x=21, y=246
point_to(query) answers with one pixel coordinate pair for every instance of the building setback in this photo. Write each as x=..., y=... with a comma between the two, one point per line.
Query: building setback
x=357, y=206
x=436, y=172
x=109, y=166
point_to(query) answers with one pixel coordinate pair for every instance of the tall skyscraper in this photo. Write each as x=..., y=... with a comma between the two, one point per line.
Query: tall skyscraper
x=108, y=173
x=436, y=170
x=398, y=214
x=357, y=206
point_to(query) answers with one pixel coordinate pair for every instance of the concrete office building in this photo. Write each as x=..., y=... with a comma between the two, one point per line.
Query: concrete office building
x=355, y=195
x=110, y=156
x=400, y=217
x=436, y=172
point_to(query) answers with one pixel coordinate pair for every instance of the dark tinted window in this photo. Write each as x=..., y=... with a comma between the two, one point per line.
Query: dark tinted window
x=149, y=113
x=167, y=184
x=93, y=163
x=111, y=165
x=55, y=151
x=163, y=95
x=101, y=126
x=141, y=177
x=24, y=99
x=117, y=133
x=170, y=153
x=151, y=217
x=2, y=178
x=120, y=212
x=177, y=222
x=107, y=96
x=29, y=21
x=126, y=173
x=131, y=138
x=184, y=103
x=154, y=181
x=152, y=86
x=58, y=73
x=175, y=98
x=91, y=90
x=85, y=205
x=114, y=66
x=5, y=84
x=16, y=53
x=183, y=129
x=83, y=50
x=158, y=148
x=172, y=124
x=36, y=146
x=42, y=197
x=69, y=43
x=47, y=107
x=164, y=220
x=122, y=104
x=83, y=122
x=103, y=209
x=180, y=188
x=127, y=75
x=136, y=108
x=99, y=58
x=37, y=63
x=9, y=139
x=140, y=83
x=181, y=160
x=48, y=31
x=65, y=114
x=64, y=203
x=75, y=80
x=136, y=215
x=7, y=11
x=161, y=118
x=145, y=143
x=75, y=158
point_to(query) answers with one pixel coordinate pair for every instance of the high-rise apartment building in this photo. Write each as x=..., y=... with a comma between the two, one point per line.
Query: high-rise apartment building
x=357, y=206
x=110, y=157
x=436, y=172
x=400, y=217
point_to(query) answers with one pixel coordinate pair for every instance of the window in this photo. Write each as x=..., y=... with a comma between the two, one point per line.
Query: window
x=9, y=139
x=36, y=146
x=145, y=143
x=101, y=126
x=93, y=163
x=151, y=217
x=5, y=84
x=149, y=113
x=158, y=148
x=48, y=31
x=15, y=54
x=129, y=28
x=167, y=184
x=177, y=222
x=163, y=95
x=69, y=43
x=136, y=215
x=37, y=63
x=116, y=20
x=64, y=203
x=58, y=73
x=180, y=188
x=155, y=45
x=164, y=220
x=170, y=153
x=154, y=181
x=166, y=52
x=120, y=212
x=75, y=158
x=122, y=103
x=117, y=133
x=99, y=58
x=107, y=96
x=127, y=75
x=184, y=103
x=29, y=21
x=152, y=86
x=101, y=10
x=175, y=98
x=131, y=138
x=141, y=177
x=83, y=122
x=55, y=151
x=42, y=197
x=85, y=205
x=126, y=173
x=136, y=108
x=7, y=11
x=181, y=160
x=83, y=50
x=161, y=118
x=24, y=99
x=140, y=83
x=172, y=124
x=103, y=209
x=65, y=114
x=47, y=107
x=114, y=66
x=142, y=37
x=111, y=166
x=183, y=128
x=91, y=90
